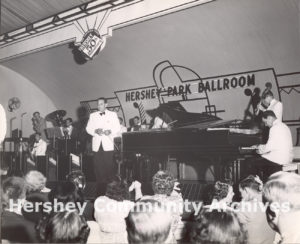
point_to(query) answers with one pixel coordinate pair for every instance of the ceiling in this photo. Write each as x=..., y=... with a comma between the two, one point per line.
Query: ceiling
x=19, y=13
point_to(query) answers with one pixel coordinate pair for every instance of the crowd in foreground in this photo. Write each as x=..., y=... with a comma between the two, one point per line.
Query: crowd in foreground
x=266, y=213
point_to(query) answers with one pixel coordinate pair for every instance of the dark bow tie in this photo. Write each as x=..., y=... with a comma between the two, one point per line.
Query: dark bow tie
x=102, y=113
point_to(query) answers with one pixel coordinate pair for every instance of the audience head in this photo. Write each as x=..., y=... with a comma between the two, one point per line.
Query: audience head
x=36, y=181
x=78, y=178
x=102, y=104
x=13, y=189
x=117, y=189
x=223, y=192
x=217, y=227
x=148, y=222
x=282, y=190
x=268, y=118
x=63, y=227
x=65, y=192
x=251, y=188
x=163, y=183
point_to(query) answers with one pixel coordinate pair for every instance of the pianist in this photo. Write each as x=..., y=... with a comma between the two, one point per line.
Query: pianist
x=279, y=147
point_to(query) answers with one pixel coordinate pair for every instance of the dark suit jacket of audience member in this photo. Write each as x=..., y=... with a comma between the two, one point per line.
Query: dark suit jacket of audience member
x=35, y=197
x=15, y=228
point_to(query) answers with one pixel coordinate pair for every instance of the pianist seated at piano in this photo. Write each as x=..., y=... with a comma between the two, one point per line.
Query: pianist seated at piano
x=279, y=148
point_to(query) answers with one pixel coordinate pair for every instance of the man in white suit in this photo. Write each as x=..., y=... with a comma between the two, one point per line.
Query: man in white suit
x=103, y=126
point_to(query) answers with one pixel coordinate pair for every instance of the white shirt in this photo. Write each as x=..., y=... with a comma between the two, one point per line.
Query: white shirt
x=2, y=123
x=122, y=130
x=107, y=121
x=39, y=148
x=276, y=107
x=68, y=129
x=110, y=214
x=279, y=148
x=159, y=123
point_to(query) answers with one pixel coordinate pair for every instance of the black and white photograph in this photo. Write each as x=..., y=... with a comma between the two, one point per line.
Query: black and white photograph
x=150, y=121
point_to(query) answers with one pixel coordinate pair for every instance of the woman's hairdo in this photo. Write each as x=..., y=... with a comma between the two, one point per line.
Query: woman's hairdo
x=66, y=192
x=117, y=189
x=13, y=188
x=36, y=181
x=63, y=227
x=220, y=190
x=149, y=221
x=163, y=182
x=78, y=178
x=252, y=182
x=217, y=227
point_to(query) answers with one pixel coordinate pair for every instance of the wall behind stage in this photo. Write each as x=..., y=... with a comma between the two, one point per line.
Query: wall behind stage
x=32, y=98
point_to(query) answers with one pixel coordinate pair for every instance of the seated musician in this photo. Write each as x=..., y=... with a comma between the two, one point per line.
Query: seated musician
x=279, y=148
x=270, y=103
x=39, y=146
x=69, y=131
x=38, y=153
x=136, y=124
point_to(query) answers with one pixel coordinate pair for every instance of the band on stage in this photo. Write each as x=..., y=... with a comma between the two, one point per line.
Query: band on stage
x=98, y=138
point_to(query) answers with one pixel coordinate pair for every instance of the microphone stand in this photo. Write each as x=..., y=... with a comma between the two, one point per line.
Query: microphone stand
x=21, y=142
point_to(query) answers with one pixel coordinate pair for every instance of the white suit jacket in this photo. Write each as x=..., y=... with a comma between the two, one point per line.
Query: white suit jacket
x=108, y=121
x=39, y=148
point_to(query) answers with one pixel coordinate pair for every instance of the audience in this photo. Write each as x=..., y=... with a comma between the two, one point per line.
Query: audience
x=111, y=211
x=165, y=190
x=14, y=227
x=63, y=227
x=263, y=210
x=36, y=193
x=251, y=213
x=36, y=183
x=282, y=193
x=217, y=226
x=65, y=193
x=220, y=195
x=149, y=222
x=79, y=180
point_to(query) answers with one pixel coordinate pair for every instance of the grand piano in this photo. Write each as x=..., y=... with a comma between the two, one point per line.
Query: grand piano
x=193, y=136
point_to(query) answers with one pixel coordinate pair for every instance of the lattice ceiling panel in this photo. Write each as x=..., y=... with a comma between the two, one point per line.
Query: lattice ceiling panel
x=19, y=13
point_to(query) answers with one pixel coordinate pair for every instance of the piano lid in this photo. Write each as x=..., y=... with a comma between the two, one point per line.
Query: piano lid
x=174, y=113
